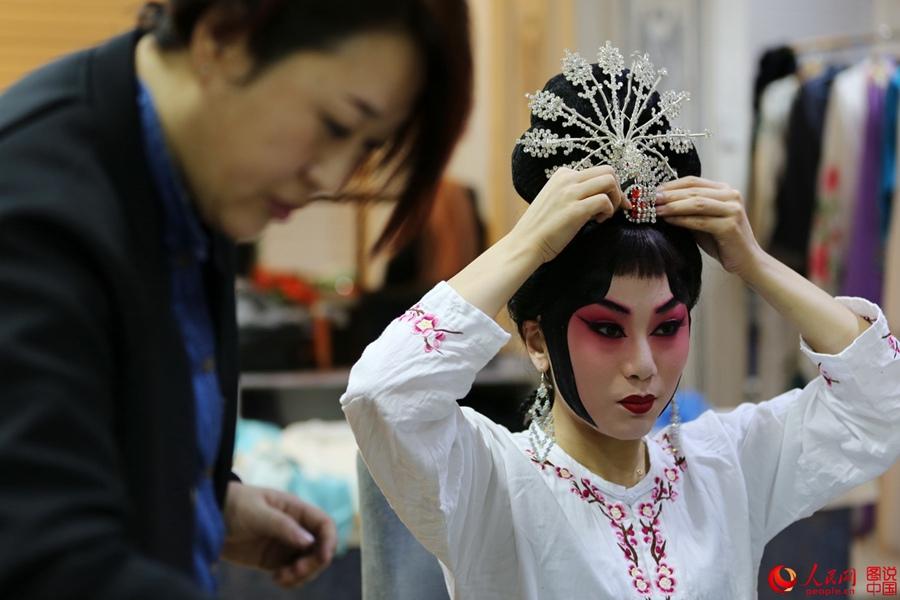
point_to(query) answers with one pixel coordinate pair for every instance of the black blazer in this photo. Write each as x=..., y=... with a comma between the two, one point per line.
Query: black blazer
x=97, y=444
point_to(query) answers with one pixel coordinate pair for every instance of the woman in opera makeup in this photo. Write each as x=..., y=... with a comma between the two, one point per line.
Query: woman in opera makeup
x=586, y=503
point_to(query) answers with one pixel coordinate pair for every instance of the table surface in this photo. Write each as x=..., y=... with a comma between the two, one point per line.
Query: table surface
x=503, y=370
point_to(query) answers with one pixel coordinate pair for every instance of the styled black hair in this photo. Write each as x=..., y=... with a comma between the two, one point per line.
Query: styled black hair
x=585, y=268
x=582, y=273
x=277, y=28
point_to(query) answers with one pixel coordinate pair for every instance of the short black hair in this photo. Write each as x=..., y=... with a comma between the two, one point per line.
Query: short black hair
x=585, y=268
x=278, y=28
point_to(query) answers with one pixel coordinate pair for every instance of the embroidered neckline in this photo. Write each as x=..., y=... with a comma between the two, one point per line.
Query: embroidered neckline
x=623, y=521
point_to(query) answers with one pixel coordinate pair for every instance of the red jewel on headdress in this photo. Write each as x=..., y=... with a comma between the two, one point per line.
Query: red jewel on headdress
x=642, y=206
x=634, y=194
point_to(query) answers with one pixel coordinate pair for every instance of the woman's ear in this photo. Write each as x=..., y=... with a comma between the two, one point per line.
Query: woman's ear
x=536, y=345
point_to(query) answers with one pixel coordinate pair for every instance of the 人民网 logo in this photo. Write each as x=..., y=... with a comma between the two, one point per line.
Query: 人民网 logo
x=782, y=579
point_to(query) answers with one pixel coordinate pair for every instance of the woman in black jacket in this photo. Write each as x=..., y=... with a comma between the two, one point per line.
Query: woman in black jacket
x=127, y=172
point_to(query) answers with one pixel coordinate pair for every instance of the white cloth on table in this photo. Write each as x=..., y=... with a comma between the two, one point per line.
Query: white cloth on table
x=504, y=527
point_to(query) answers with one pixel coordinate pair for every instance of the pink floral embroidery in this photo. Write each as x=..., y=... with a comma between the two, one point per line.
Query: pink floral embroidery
x=665, y=578
x=665, y=443
x=426, y=325
x=616, y=512
x=828, y=378
x=647, y=511
x=893, y=344
x=641, y=585
x=563, y=473
x=621, y=522
x=649, y=519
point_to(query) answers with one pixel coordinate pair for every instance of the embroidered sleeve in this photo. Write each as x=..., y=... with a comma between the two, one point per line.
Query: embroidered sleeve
x=873, y=350
x=800, y=450
x=426, y=326
x=427, y=455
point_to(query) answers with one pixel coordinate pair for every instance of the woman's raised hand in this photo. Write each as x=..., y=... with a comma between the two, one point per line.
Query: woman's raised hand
x=568, y=201
x=715, y=212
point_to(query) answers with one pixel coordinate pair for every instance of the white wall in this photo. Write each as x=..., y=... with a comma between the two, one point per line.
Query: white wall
x=887, y=12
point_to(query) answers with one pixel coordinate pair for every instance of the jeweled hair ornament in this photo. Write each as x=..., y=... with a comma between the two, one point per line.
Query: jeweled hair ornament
x=616, y=136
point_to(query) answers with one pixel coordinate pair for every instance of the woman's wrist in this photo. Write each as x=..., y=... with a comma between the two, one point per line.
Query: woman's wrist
x=759, y=270
x=826, y=325
x=492, y=278
x=521, y=251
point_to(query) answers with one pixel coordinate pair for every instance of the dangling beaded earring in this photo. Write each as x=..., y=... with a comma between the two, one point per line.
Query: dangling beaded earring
x=675, y=430
x=540, y=429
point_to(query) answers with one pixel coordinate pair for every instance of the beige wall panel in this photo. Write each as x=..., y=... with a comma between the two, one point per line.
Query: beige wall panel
x=33, y=32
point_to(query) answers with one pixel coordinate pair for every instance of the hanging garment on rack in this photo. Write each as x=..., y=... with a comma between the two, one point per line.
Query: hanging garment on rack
x=892, y=257
x=774, y=65
x=797, y=189
x=888, y=523
x=776, y=357
x=837, y=177
x=769, y=154
x=863, y=271
x=889, y=153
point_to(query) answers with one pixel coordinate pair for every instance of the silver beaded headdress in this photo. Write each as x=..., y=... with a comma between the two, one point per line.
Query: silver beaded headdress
x=617, y=137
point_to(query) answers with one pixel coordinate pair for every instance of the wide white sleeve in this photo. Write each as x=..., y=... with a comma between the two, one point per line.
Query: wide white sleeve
x=804, y=448
x=432, y=460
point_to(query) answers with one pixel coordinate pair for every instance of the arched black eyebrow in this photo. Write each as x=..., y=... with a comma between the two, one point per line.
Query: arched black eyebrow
x=668, y=305
x=614, y=306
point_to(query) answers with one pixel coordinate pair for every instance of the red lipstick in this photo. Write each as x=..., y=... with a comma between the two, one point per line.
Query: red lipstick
x=638, y=404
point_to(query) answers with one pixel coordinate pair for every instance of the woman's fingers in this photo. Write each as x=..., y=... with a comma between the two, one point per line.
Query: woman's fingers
x=692, y=182
x=704, y=224
x=595, y=185
x=697, y=206
x=590, y=182
x=298, y=572
x=592, y=172
x=599, y=207
x=719, y=194
x=603, y=184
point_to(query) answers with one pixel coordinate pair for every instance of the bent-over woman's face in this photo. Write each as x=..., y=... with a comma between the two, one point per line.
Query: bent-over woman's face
x=628, y=352
x=302, y=127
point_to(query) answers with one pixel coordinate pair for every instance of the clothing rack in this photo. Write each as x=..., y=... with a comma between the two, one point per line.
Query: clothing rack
x=830, y=43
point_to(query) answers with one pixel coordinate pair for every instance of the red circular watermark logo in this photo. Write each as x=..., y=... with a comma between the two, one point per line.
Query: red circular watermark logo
x=782, y=579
